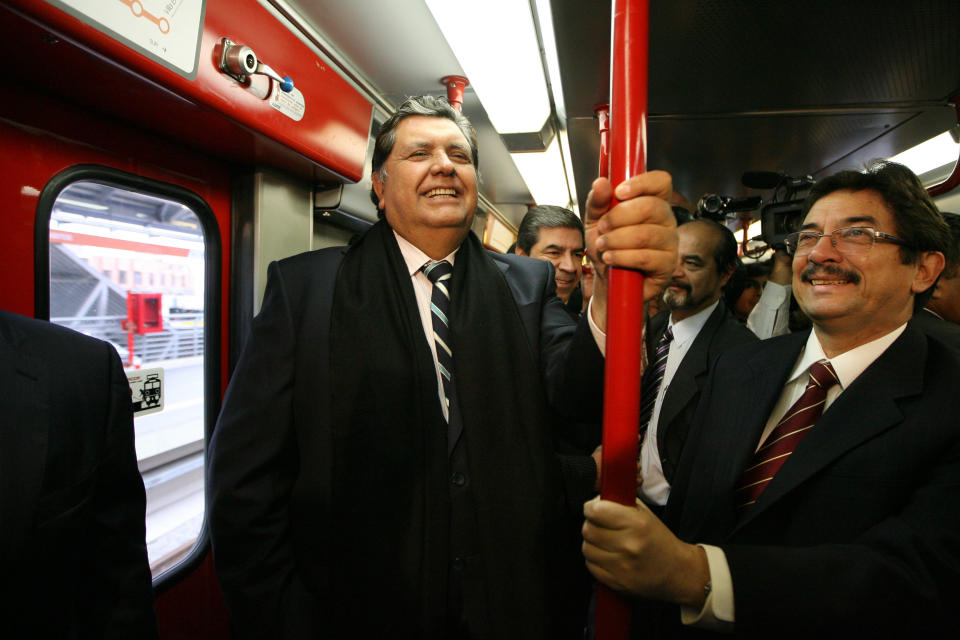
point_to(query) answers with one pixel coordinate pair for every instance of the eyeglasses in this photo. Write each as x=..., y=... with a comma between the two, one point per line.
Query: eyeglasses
x=846, y=240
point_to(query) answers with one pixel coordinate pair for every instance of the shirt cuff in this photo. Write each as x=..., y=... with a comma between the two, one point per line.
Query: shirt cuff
x=773, y=294
x=717, y=611
x=598, y=335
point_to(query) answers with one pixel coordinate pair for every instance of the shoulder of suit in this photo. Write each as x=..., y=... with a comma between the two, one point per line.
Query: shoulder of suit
x=530, y=267
x=938, y=328
x=307, y=266
x=730, y=331
x=45, y=338
x=314, y=258
x=747, y=348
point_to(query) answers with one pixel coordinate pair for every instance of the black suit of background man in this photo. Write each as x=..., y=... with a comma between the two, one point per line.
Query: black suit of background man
x=720, y=333
x=71, y=497
x=706, y=261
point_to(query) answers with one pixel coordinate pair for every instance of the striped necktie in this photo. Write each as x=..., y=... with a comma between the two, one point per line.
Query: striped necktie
x=795, y=424
x=439, y=274
x=652, y=379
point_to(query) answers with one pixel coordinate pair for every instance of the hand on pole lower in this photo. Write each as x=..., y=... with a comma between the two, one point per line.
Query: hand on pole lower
x=630, y=550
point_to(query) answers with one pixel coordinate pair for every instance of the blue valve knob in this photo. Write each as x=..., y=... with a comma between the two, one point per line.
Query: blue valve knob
x=286, y=84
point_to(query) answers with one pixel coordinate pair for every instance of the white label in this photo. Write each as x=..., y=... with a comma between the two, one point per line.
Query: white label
x=146, y=390
x=167, y=31
x=289, y=104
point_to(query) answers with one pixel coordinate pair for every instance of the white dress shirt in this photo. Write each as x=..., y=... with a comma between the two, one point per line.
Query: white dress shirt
x=655, y=488
x=718, y=610
x=423, y=288
x=771, y=315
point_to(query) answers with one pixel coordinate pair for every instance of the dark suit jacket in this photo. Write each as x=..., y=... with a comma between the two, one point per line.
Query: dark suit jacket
x=721, y=332
x=71, y=497
x=859, y=532
x=269, y=469
x=935, y=326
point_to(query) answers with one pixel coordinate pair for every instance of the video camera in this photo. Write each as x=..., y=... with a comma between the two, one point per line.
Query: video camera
x=719, y=208
x=782, y=215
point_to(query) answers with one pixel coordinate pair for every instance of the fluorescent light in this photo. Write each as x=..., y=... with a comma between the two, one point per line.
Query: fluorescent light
x=545, y=20
x=81, y=203
x=934, y=153
x=506, y=72
x=544, y=175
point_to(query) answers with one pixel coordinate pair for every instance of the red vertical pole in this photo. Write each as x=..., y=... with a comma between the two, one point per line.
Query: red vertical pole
x=628, y=110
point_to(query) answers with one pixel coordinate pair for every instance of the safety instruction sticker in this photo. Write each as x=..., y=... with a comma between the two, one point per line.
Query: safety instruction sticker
x=290, y=104
x=146, y=390
x=168, y=31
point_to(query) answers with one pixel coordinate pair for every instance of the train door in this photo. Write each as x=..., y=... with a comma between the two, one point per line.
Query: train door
x=92, y=222
x=133, y=159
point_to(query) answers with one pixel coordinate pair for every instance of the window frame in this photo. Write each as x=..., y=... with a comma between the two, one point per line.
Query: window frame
x=212, y=338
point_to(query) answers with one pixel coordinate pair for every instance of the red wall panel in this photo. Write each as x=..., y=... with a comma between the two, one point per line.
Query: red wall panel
x=213, y=111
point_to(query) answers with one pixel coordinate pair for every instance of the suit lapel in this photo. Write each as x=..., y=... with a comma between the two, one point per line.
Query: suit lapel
x=23, y=440
x=868, y=407
x=683, y=385
x=748, y=401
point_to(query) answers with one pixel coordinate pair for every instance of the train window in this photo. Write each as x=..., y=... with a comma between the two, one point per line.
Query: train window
x=130, y=267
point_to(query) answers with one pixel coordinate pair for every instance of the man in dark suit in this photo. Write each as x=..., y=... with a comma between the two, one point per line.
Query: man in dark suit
x=71, y=498
x=555, y=234
x=383, y=465
x=845, y=524
x=701, y=328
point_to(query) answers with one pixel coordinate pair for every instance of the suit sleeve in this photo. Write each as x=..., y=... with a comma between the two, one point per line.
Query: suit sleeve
x=119, y=592
x=251, y=473
x=572, y=364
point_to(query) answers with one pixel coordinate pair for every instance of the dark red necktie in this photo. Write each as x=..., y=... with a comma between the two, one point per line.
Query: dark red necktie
x=785, y=437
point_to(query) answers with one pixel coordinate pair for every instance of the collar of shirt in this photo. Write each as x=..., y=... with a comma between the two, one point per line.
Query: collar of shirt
x=414, y=258
x=688, y=328
x=849, y=364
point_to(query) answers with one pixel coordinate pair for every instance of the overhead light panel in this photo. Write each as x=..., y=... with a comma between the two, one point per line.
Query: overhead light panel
x=506, y=72
x=543, y=172
x=936, y=152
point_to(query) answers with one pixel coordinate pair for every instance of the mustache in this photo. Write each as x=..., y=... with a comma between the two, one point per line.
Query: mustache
x=681, y=285
x=819, y=271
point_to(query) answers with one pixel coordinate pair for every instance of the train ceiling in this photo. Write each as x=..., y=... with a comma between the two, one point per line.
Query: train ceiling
x=735, y=86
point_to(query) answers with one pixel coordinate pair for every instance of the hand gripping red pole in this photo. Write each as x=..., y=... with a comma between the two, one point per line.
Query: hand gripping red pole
x=628, y=109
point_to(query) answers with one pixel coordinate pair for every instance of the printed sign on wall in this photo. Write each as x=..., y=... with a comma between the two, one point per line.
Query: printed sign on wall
x=167, y=31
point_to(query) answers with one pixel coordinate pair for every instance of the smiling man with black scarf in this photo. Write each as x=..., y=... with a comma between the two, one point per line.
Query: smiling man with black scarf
x=384, y=465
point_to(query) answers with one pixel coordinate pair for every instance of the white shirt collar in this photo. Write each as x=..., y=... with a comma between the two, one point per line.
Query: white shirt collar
x=849, y=364
x=414, y=257
x=688, y=328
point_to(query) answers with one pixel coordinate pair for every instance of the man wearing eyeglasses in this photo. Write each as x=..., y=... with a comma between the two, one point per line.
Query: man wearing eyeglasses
x=824, y=500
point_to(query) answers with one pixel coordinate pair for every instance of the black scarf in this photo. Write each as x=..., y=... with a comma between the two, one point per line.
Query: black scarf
x=391, y=471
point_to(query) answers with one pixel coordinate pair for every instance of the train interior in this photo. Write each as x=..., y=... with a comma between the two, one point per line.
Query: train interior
x=154, y=165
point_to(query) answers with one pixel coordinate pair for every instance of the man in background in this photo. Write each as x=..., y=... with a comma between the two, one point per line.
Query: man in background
x=682, y=343
x=945, y=301
x=555, y=234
